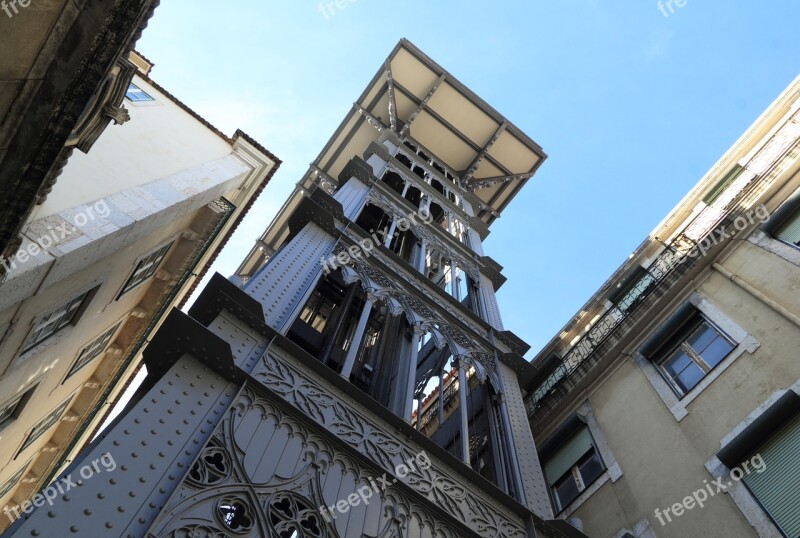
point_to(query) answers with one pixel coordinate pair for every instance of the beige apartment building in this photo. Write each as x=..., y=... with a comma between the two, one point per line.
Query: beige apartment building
x=669, y=406
x=123, y=237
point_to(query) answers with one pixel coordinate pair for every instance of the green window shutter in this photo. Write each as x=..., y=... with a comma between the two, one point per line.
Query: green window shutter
x=723, y=184
x=568, y=455
x=777, y=487
x=790, y=232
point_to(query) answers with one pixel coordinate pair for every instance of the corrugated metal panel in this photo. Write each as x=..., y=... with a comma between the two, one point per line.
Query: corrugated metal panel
x=777, y=486
x=568, y=455
x=791, y=230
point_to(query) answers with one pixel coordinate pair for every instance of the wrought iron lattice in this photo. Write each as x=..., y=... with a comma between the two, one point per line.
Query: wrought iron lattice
x=679, y=256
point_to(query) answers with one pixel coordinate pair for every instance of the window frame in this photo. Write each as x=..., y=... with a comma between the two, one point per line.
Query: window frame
x=653, y=344
x=134, y=281
x=686, y=333
x=77, y=366
x=792, y=220
x=582, y=418
x=147, y=97
x=784, y=216
x=9, y=485
x=18, y=401
x=577, y=477
x=738, y=443
x=44, y=425
x=80, y=301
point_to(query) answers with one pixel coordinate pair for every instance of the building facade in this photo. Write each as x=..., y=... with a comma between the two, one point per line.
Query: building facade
x=63, y=77
x=122, y=238
x=670, y=405
x=283, y=404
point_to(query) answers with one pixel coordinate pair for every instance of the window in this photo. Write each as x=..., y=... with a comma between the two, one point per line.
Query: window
x=45, y=424
x=691, y=353
x=723, y=184
x=92, y=350
x=136, y=94
x=776, y=484
x=54, y=321
x=12, y=482
x=573, y=467
x=12, y=409
x=145, y=268
x=789, y=232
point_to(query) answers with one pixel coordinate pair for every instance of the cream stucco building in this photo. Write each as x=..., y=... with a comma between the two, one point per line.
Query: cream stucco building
x=122, y=238
x=670, y=405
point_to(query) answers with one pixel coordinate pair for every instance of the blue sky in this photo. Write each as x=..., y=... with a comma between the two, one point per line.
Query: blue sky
x=631, y=106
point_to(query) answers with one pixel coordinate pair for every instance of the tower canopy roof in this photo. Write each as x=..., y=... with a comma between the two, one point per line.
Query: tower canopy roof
x=412, y=96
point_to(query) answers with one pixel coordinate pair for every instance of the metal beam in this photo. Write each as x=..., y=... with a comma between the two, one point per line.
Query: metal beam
x=479, y=158
x=450, y=127
x=491, y=181
x=322, y=174
x=422, y=104
x=392, y=101
x=372, y=120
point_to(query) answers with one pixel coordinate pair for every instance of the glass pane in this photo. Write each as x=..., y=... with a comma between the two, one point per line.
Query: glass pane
x=146, y=268
x=701, y=338
x=718, y=350
x=676, y=363
x=690, y=377
x=591, y=468
x=566, y=491
x=683, y=371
